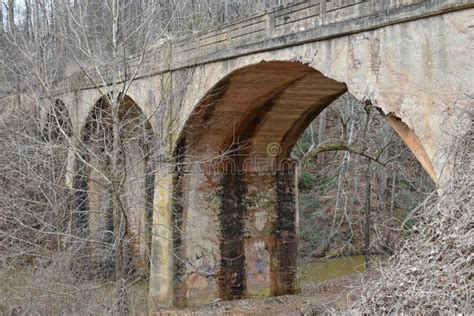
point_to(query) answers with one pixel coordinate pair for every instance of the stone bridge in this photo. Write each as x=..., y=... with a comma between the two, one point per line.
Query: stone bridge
x=228, y=105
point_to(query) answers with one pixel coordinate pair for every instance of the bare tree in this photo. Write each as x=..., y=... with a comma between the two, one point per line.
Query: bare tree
x=1, y=18
x=11, y=16
x=355, y=135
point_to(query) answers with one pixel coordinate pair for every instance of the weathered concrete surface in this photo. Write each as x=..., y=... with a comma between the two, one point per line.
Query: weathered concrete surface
x=260, y=81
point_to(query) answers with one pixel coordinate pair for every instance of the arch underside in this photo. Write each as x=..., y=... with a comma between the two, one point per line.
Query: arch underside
x=234, y=212
x=263, y=103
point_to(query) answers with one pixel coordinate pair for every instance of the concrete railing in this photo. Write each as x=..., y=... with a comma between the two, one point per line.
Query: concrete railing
x=287, y=25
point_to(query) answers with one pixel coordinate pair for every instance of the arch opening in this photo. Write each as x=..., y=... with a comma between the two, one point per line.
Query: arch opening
x=357, y=185
x=114, y=174
x=235, y=207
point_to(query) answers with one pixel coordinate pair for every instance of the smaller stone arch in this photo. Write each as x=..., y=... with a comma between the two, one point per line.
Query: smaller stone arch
x=127, y=138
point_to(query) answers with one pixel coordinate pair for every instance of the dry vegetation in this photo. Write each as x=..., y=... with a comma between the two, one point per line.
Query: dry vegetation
x=333, y=182
x=432, y=271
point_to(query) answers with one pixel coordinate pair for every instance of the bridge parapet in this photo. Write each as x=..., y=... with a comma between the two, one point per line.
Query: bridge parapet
x=295, y=23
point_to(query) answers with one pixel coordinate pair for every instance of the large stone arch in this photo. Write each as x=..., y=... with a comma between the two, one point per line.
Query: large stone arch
x=93, y=216
x=407, y=70
x=233, y=208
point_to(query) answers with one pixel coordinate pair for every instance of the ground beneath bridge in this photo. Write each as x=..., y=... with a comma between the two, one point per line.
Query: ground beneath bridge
x=314, y=299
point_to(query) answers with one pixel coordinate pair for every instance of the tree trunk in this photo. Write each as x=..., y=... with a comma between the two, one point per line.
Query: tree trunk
x=321, y=130
x=28, y=19
x=11, y=16
x=340, y=184
x=368, y=191
x=122, y=307
x=388, y=227
x=52, y=16
x=1, y=18
x=38, y=22
x=120, y=221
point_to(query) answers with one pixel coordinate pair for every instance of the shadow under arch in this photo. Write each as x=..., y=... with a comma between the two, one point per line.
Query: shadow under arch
x=93, y=210
x=234, y=212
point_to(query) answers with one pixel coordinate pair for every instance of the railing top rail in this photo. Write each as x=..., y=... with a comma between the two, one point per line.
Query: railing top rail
x=302, y=20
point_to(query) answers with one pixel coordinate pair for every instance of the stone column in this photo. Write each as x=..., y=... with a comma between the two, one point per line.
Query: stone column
x=259, y=236
x=231, y=275
x=271, y=239
x=161, y=272
x=285, y=260
x=234, y=235
x=197, y=205
x=135, y=202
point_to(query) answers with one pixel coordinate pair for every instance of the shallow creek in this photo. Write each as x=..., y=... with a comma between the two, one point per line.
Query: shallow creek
x=327, y=269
